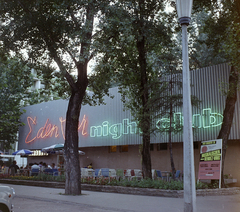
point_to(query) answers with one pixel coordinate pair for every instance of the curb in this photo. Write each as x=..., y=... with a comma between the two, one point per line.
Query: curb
x=127, y=190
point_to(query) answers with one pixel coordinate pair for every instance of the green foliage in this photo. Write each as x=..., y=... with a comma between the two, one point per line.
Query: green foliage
x=201, y=185
x=201, y=53
x=127, y=25
x=222, y=36
x=15, y=80
x=135, y=183
x=41, y=177
x=55, y=39
x=216, y=32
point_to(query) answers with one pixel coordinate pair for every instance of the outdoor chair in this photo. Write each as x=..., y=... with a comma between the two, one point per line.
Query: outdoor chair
x=132, y=174
x=105, y=172
x=154, y=174
x=137, y=174
x=55, y=172
x=48, y=171
x=127, y=174
x=120, y=174
x=35, y=172
x=160, y=176
x=177, y=175
x=113, y=173
x=96, y=173
x=84, y=173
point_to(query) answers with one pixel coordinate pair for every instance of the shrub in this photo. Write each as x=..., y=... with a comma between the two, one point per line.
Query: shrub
x=201, y=185
x=41, y=177
x=144, y=183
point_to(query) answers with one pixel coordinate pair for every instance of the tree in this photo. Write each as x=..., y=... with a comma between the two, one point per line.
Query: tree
x=15, y=73
x=221, y=28
x=137, y=34
x=56, y=35
x=173, y=100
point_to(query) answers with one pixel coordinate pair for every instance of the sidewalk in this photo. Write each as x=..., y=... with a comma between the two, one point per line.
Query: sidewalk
x=112, y=202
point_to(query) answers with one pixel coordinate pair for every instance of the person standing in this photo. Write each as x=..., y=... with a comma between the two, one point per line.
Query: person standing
x=13, y=168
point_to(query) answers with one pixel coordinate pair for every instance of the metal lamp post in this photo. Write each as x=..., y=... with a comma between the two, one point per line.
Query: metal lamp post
x=184, y=8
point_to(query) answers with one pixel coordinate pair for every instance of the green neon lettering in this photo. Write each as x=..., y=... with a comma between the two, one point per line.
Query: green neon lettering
x=206, y=120
x=95, y=131
x=116, y=130
x=218, y=118
x=197, y=123
x=211, y=119
x=105, y=125
x=163, y=124
x=129, y=127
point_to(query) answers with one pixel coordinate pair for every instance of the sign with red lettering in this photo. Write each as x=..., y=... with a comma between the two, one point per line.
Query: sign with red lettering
x=209, y=170
x=101, y=125
x=210, y=160
x=51, y=130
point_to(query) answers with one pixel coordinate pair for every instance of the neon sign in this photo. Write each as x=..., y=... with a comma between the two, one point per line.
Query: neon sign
x=48, y=130
x=116, y=130
x=205, y=120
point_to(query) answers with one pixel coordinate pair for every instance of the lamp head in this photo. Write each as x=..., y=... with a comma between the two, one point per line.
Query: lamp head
x=184, y=9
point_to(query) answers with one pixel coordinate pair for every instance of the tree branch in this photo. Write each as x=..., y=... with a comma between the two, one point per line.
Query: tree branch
x=53, y=52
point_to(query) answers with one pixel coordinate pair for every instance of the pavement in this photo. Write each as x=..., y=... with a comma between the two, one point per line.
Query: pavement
x=92, y=201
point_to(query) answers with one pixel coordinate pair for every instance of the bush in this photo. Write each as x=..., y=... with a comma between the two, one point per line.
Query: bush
x=144, y=183
x=201, y=185
x=41, y=177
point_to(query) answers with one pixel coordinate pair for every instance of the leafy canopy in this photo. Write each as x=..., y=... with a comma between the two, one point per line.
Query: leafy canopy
x=15, y=80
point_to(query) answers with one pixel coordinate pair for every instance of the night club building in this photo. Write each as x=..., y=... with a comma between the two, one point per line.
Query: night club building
x=110, y=138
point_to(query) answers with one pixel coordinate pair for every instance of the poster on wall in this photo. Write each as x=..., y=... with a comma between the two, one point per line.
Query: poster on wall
x=210, y=160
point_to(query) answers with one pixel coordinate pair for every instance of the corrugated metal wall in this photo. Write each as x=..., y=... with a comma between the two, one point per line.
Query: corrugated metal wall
x=208, y=85
x=109, y=125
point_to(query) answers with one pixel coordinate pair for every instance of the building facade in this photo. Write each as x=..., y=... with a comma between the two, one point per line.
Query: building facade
x=110, y=138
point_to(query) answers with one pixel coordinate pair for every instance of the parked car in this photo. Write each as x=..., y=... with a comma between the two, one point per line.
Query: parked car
x=6, y=197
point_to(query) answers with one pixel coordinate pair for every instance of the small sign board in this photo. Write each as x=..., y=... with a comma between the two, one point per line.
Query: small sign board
x=210, y=160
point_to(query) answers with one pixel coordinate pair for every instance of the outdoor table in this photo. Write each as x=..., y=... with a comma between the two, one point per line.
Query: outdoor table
x=91, y=172
x=166, y=174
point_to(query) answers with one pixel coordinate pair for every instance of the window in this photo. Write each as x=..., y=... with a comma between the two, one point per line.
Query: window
x=151, y=147
x=124, y=148
x=112, y=149
x=162, y=146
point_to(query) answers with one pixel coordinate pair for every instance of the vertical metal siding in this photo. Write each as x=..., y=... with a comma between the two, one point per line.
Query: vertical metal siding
x=206, y=85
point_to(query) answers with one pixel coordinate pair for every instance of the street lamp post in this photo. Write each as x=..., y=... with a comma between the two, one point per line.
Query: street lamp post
x=184, y=8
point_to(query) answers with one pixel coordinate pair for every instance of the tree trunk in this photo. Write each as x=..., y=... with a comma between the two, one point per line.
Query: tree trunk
x=170, y=133
x=71, y=156
x=146, y=158
x=170, y=148
x=171, y=154
x=145, y=120
x=228, y=116
x=72, y=164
